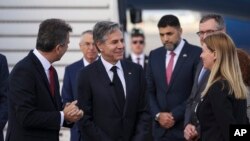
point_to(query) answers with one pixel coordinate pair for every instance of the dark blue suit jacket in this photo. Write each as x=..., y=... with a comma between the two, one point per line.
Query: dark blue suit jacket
x=4, y=73
x=69, y=92
x=34, y=115
x=104, y=120
x=172, y=97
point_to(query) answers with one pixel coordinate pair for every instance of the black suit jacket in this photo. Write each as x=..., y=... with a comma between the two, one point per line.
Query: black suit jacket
x=4, y=73
x=145, y=61
x=104, y=120
x=217, y=110
x=171, y=97
x=69, y=92
x=33, y=113
x=194, y=99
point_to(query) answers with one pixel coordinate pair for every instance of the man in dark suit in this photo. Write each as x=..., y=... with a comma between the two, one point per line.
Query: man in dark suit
x=137, y=47
x=35, y=107
x=90, y=54
x=208, y=24
x=4, y=73
x=112, y=92
x=170, y=78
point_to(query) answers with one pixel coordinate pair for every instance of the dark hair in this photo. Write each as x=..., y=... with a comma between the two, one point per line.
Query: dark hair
x=169, y=20
x=104, y=28
x=136, y=32
x=51, y=33
x=218, y=18
x=244, y=62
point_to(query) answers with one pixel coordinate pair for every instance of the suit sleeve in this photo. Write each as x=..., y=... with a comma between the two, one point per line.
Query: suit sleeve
x=67, y=91
x=86, y=124
x=143, y=126
x=23, y=91
x=151, y=89
x=4, y=73
x=222, y=107
x=187, y=116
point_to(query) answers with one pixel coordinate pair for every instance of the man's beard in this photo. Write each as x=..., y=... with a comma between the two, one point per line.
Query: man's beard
x=172, y=47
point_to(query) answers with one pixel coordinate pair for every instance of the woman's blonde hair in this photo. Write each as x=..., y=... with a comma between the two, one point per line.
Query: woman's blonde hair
x=226, y=65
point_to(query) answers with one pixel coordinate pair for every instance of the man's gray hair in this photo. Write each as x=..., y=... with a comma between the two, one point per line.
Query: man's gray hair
x=104, y=28
x=218, y=18
x=87, y=31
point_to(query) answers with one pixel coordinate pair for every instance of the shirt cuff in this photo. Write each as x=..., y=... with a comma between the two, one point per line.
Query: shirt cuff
x=62, y=118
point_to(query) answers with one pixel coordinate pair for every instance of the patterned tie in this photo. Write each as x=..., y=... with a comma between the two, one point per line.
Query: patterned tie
x=52, y=80
x=169, y=69
x=118, y=87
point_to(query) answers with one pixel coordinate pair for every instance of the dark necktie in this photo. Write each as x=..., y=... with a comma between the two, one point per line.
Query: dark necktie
x=138, y=60
x=170, y=67
x=52, y=80
x=118, y=87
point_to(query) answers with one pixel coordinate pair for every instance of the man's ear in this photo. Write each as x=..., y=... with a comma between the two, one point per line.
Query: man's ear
x=99, y=46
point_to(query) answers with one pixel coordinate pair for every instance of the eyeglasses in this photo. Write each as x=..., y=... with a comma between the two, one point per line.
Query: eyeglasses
x=139, y=41
x=201, y=33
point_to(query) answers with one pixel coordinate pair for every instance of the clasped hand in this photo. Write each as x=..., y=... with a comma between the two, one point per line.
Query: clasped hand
x=71, y=112
x=166, y=120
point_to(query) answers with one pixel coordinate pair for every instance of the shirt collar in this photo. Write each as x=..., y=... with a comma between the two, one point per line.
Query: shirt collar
x=85, y=62
x=134, y=56
x=45, y=63
x=178, y=49
x=108, y=65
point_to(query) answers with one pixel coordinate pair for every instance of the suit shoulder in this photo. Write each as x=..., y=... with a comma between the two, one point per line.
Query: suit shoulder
x=75, y=64
x=130, y=64
x=157, y=50
x=90, y=67
x=2, y=56
x=194, y=47
x=128, y=58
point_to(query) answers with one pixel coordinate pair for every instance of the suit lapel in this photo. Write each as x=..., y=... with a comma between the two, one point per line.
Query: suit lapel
x=107, y=82
x=40, y=69
x=180, y=61
x=127, y=75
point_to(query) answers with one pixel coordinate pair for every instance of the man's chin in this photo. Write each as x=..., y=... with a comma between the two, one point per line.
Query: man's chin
x=169, y=48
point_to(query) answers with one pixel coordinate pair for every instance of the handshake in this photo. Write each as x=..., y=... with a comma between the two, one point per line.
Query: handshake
x=71, y=112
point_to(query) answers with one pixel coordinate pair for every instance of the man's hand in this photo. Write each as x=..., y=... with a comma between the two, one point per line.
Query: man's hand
x=166, y=120
x=72, y=113
x=190, y=132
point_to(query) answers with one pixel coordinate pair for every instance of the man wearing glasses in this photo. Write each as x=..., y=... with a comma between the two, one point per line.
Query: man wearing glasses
x=209, y=24
x=137, y=47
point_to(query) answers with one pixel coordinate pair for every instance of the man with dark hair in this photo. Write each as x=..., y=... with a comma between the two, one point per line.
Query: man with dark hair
x=209, y=24
x=114, y=99
x=170, y=78
x=35, y=107
x=137, y=47
x=69, y=94
x=4, y=73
